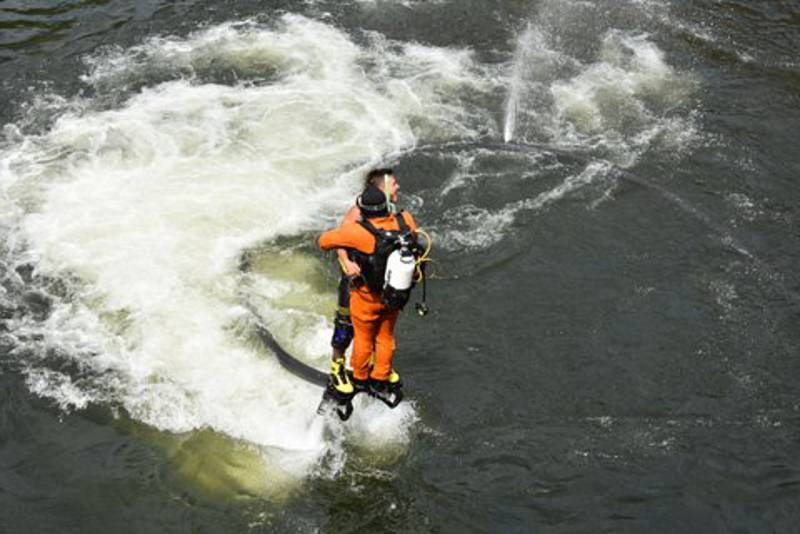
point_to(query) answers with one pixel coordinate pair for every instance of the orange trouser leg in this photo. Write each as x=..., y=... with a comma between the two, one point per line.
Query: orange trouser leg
x=364, y=313
x=384, y=345
x=373, y=327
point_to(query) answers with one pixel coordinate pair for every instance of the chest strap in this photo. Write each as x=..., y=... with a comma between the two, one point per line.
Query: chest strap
x=401, y=222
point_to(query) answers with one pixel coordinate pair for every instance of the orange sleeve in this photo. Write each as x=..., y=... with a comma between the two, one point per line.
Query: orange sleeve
x=351, y=235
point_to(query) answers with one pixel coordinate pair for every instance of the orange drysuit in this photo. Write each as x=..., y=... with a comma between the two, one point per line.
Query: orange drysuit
x=373, y=321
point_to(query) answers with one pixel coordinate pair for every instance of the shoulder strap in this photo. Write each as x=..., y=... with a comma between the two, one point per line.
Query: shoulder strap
x=380, y=234
x=401, y=222
x=369, y=227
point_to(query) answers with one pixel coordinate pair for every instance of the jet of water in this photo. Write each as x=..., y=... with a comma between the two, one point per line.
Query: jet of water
x=515, y=83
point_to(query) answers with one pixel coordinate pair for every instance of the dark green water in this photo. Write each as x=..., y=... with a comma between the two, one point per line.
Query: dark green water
x=616, y=327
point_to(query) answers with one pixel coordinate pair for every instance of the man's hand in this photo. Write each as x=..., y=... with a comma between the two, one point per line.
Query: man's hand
x=351, y=268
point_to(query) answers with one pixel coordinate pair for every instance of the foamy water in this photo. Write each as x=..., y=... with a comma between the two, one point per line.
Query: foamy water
x=145, y=208
x=613, y=106
x=141, y=200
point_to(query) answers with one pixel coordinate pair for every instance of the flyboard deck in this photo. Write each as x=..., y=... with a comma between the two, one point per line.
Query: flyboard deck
x=342, y=405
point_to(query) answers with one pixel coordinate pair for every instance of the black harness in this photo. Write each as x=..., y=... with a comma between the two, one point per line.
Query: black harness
x=373, y=266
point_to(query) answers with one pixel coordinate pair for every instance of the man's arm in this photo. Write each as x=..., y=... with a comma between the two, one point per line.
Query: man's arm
x=350, y=268
x=348, y=236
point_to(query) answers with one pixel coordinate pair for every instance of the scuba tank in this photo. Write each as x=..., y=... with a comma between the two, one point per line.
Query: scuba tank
x=399, y=277
x=400, y=267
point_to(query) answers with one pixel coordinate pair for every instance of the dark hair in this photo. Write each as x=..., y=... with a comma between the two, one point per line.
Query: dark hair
x=376, y=176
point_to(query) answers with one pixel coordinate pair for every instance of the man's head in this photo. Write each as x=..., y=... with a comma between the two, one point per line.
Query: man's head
x=372, y=203
x=385, y=180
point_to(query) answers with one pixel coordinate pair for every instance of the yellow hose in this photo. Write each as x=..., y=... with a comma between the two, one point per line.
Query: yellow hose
x=424, y=258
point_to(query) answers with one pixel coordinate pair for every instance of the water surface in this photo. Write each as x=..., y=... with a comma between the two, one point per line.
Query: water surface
x=611, y=189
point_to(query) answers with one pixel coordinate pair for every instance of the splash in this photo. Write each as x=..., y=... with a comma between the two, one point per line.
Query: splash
x=133, y=209
x=516, y=82
x=576, y=85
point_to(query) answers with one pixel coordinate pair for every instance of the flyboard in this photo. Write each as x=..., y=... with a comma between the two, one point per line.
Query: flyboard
x=342, y=404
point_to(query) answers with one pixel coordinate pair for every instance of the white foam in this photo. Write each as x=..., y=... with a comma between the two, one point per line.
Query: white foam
x=592, y=173
x=614, y=102
x=469, y=227
x=621, y=96
x=149, y=204
x=143, y=207
x=299, y=47
x=434, y=85
x=595, y=86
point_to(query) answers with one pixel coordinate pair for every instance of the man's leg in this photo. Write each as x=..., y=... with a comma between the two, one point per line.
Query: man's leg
x=342, y=325
x=365, y=315
x=384, y=345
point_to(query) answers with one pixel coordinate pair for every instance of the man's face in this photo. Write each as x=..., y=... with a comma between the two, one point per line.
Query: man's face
x=393, y=187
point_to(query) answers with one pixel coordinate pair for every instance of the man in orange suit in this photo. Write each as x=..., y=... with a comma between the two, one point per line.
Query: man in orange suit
x=372, y=315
